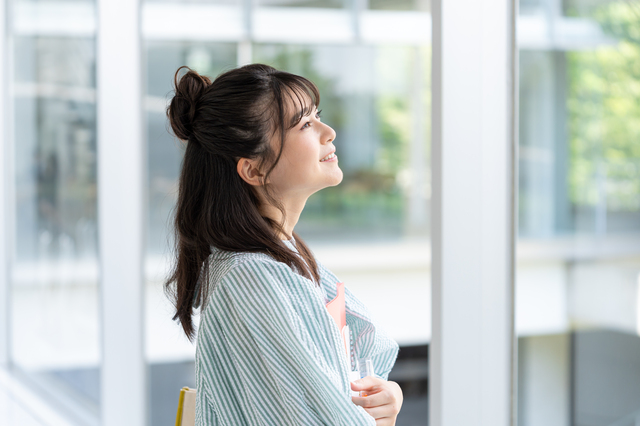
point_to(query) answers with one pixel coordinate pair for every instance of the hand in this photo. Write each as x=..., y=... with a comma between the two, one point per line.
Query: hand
x=383, y=400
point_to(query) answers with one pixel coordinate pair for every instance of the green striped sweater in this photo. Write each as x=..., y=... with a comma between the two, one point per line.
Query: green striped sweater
x=269, y=353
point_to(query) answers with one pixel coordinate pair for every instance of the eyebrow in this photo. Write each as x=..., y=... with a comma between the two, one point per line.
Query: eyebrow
x=301, y=113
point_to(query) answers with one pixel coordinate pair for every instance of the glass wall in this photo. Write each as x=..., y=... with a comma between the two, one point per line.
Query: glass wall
x=371, y=230
x=579, y=213
x=54, y=280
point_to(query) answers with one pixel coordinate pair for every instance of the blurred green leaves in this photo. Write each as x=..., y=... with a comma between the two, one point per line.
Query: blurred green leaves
x=603, y=103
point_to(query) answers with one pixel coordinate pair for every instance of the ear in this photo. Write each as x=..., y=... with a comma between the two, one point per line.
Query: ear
x=249, y=172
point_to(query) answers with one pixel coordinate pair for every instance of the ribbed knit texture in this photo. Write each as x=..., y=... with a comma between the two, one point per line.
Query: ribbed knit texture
x=269, y=353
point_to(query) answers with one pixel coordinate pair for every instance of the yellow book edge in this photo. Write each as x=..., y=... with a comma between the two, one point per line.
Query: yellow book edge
x=180, y=406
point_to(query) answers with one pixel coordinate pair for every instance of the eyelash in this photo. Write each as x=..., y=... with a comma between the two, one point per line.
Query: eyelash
x=309, y=123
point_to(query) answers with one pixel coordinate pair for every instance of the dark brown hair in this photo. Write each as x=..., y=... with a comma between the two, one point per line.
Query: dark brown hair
x=233, y=117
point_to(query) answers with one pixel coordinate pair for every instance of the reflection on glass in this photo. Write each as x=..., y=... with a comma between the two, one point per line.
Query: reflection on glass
x=55, y=275
x=578, y=292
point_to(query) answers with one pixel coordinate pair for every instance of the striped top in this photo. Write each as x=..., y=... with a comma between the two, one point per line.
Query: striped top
x=269, y=353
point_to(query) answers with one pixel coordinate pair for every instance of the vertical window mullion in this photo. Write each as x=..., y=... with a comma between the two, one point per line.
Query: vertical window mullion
x=473, y=237
x=120, y=206
x=4, y=185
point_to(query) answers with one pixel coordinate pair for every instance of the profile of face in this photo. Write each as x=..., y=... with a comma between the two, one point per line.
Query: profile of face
x=308, y=162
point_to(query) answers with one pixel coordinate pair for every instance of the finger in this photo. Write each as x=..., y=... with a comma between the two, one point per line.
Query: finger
x=387, y=421
x=369, y=391
x=379, y=413
x=368, y=382
x=373, y=400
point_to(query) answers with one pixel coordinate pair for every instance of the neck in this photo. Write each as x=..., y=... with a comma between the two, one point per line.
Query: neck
x=293, y=208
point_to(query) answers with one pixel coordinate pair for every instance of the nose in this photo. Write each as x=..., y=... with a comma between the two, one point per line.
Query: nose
x=329, y=135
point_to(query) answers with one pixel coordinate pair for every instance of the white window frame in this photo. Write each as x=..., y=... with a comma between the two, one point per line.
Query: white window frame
x=5, y=204
x=121, y=200
x=474, y=147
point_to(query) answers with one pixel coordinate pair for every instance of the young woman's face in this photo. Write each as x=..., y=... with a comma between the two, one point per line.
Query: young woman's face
x=308, y=162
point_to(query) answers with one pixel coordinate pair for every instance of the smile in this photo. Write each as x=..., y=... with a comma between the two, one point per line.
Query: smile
x=329, y=157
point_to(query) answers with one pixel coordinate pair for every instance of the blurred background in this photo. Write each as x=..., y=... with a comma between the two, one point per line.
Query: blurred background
x=578, y=255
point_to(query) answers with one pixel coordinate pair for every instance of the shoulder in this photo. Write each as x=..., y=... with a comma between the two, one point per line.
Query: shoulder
x=325, y=273
x=244, y=270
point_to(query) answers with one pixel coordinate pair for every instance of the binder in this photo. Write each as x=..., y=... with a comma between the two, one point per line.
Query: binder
x=186, y=415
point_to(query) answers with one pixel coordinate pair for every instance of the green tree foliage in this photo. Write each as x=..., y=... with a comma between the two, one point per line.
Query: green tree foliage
x=604, y=112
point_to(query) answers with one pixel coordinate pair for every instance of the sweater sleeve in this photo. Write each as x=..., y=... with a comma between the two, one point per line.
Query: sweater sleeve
x=279, y=373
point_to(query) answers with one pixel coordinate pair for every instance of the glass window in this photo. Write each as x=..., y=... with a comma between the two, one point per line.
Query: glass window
x=54, y=305
x=579, y=216
x=372, y=230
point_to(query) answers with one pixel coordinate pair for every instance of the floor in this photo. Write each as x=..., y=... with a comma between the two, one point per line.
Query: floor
x=19, y=406
x=12, y=413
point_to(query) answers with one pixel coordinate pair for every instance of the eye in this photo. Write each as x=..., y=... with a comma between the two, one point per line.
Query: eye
x=308, y=123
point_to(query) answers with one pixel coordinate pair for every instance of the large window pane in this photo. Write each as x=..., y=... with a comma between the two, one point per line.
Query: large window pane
x=579, y=250
x=372, y=230
x=55, y=332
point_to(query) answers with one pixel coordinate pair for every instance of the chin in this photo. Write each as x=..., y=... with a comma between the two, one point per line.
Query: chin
x=335, y=182
x=338, y=179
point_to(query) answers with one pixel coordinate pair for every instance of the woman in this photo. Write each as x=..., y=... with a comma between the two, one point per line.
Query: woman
x=268, y=351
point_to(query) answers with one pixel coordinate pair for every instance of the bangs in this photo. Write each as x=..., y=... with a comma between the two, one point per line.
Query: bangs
x=297, y=98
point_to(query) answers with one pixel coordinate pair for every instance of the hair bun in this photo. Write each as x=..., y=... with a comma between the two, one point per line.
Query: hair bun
x=183, y=107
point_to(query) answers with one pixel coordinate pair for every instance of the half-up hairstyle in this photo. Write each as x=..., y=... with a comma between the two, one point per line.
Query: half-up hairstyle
x=233, y=117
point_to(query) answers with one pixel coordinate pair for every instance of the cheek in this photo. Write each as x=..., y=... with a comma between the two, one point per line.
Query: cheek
x=301, y=157
x=289, y=170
